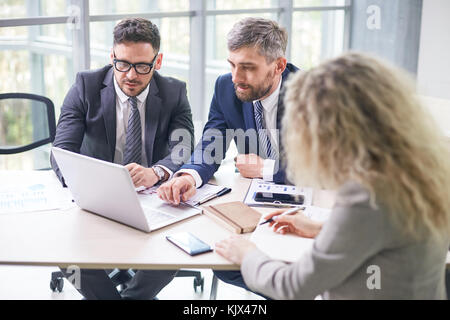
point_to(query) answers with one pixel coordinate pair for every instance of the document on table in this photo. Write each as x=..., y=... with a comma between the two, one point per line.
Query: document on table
x=35, y=197
x=286, y=247
x=259, y=185
x=205, y=192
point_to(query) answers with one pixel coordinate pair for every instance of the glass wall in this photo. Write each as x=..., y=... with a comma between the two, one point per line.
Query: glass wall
x=100, y=7
x=44, y=43
x=318, y=3
x=32, y=8
x=33, y=59
x=316, y=35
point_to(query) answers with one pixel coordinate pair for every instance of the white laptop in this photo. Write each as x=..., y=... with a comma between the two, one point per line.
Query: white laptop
x=106, y=189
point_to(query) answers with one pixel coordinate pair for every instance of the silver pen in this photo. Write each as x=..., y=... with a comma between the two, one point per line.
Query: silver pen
x=288, y=212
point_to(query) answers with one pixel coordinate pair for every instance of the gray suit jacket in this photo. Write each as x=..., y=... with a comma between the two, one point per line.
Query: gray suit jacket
x=87, y=123
x=357, y=244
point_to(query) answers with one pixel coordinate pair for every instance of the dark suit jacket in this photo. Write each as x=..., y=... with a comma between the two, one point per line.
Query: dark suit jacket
x=228, y=112
x=87, y=123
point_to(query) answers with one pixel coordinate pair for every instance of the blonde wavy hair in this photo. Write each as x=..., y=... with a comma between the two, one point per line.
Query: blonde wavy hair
x=357, y=118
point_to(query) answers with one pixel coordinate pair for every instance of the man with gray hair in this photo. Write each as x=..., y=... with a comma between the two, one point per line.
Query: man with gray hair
x=249, y=99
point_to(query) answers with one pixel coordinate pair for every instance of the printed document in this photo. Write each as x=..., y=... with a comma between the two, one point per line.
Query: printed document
x=286, y=247
x=36, y=197
x=206, y=191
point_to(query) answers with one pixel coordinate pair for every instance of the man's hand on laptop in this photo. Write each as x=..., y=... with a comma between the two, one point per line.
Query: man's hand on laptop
x=178, y=188
x=142, y=176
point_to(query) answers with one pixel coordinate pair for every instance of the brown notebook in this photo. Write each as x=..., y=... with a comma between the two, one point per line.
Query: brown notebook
x=236, y=216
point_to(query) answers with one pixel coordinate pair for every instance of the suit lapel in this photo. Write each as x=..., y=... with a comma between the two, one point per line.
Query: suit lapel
x=280, y=109
x=249, y=120
x=249, y=115
x=153, y=108
x=108, y=105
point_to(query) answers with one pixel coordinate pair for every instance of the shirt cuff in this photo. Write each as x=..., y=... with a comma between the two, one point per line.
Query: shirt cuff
x=166, y=170
x=268, y=168
x=193, y=173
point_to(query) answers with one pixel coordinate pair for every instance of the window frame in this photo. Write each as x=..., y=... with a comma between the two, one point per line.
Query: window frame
x=80, y=49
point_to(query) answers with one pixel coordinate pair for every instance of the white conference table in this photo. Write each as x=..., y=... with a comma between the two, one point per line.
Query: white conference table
x=72, y=236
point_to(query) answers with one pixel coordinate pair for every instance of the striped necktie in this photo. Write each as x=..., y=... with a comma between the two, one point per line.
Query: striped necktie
x=133, y=144
x=264, y=139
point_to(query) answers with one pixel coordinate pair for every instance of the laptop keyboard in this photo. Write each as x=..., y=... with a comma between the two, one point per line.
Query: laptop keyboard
x=155, y=217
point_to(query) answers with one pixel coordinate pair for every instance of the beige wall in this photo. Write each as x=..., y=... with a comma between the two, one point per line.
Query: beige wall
x=440, y=110
x=433, y=74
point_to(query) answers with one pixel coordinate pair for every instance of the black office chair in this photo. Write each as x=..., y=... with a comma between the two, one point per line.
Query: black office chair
x=120, y=278
x=32, y=118
x=27, y=122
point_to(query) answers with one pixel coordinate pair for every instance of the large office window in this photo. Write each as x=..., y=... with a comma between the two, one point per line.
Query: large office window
x=317, y=34
x=44, y=43
x=34, y=59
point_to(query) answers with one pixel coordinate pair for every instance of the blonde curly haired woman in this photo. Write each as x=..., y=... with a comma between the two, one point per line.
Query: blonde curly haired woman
x=355, y=125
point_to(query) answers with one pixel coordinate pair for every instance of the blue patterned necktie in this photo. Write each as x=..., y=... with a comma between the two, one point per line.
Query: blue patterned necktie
x=133, y=144
x=264, y=140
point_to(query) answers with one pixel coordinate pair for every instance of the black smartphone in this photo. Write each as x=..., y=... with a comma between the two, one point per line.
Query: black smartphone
x=189, y=243
x=279, y=198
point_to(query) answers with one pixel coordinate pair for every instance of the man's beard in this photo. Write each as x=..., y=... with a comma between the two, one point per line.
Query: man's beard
x=255, y=93
x=122, y=86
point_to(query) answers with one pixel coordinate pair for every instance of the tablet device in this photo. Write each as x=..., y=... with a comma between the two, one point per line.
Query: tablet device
x=189, y=243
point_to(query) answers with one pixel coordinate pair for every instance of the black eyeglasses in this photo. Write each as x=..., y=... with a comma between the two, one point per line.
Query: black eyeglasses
x=141, y=67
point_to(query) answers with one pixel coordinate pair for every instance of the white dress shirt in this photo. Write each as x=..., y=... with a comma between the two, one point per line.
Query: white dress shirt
x=122, y=112
x=270, y=108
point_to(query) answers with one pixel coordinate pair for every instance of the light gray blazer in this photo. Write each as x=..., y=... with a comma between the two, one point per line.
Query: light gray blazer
x=356, y=245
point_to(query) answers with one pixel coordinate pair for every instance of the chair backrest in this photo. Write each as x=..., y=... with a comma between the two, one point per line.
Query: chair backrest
x=27, y=121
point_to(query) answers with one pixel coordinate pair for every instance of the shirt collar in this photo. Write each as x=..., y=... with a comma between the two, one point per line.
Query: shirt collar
x=271, y=101
x=123, y=97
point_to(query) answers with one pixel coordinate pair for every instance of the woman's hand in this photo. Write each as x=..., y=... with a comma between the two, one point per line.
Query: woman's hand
x=297, y=224
x=234, y=248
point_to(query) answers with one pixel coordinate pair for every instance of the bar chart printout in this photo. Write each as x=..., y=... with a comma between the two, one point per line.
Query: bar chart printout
x=36, y=197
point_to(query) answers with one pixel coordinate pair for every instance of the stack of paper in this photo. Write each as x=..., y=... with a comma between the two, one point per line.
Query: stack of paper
x=35, y=197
